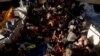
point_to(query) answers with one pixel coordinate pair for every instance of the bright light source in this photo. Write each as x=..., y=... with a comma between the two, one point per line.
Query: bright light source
x=96, y=35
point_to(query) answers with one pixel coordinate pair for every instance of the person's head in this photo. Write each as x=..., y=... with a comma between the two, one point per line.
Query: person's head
x=62, y=32
x=58, y=29
x=48, y=15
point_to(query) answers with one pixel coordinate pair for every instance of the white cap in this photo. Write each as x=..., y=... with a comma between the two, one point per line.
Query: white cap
x=1, y=36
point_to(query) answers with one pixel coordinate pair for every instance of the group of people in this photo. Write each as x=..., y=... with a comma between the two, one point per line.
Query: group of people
x=56, y=26
x=52, y=29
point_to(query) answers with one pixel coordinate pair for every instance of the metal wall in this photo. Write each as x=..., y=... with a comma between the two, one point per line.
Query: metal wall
x=91, y=1
x=4, y=0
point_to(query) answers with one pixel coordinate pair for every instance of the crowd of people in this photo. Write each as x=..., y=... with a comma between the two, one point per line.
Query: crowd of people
x=56, y=26
x=53, y=30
